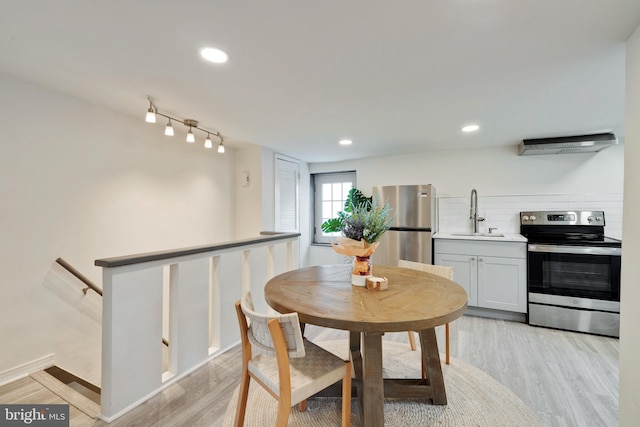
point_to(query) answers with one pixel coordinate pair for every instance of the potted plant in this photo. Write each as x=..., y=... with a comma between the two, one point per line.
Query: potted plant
x=362, y=224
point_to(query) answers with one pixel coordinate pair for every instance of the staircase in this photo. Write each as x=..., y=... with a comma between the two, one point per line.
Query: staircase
x=56, y=386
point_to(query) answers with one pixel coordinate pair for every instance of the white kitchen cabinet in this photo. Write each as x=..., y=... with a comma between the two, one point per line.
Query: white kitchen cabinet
x=493, y=273
x=465, y=272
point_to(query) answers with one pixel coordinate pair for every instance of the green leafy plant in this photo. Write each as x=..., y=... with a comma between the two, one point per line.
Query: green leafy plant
x=355, y=198
x=362, y=218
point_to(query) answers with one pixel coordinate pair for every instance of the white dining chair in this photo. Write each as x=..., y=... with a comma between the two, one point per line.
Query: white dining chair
x=440, y=270
x=286, y=365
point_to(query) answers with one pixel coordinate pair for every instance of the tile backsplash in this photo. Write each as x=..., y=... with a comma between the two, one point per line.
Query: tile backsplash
x=503, y=212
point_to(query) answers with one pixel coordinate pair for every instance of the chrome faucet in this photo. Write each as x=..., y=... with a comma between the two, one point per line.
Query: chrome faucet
x=473, y=210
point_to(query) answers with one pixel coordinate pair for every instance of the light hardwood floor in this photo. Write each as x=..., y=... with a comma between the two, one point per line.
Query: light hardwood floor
x=569, y=379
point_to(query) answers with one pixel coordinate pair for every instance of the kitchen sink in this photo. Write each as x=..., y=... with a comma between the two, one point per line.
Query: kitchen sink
x=478, y=234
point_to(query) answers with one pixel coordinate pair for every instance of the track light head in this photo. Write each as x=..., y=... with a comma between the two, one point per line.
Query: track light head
x=151, y=113
x=169, y=129
x=190, y=136
x=207, y=142
x=151, y=116
x=221, y=147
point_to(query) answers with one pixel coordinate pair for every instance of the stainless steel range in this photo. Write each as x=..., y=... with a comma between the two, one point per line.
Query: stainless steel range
x=573, y=271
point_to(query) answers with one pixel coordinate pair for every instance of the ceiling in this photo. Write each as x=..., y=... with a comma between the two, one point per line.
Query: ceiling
x=396, y=77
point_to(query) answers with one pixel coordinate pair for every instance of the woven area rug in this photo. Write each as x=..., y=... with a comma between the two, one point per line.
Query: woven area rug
x=474, y=398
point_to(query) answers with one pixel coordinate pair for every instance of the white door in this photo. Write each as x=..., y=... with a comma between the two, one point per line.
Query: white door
x=287, y=215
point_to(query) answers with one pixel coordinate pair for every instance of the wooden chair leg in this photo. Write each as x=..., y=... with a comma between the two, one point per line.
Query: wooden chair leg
x=283, y=414
x=243, y=393
x=446, y=335
x=412, y=341
x=302, y=406
x=346, y=396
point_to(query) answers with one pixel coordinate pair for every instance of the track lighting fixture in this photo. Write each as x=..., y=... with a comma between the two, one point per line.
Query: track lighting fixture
x=152, y=112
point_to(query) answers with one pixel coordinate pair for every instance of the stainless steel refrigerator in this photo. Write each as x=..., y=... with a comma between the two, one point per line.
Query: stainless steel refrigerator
x=409, y=237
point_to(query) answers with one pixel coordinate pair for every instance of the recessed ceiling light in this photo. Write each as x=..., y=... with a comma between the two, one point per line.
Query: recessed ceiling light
x=470, y=128
x=345, y=142
x=214, y=55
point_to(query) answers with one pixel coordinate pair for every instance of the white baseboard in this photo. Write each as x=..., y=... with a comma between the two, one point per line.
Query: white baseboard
x=21, y=371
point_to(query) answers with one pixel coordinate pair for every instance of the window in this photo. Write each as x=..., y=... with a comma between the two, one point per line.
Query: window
x=330, y=192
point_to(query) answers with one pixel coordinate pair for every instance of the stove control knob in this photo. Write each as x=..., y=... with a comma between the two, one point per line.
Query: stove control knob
x=525, y=218
x=532, y=217
x=598, y=218
x=590, y=219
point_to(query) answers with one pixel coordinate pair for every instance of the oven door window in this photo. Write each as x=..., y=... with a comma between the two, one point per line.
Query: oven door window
x=586, y=276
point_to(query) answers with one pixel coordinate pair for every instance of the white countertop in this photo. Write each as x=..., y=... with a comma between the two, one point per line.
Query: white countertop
x=507, y=237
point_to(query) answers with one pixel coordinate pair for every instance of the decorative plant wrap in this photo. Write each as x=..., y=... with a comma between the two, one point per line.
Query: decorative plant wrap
x=361, y=250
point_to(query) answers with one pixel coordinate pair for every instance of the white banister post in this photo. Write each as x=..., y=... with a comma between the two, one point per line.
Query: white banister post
x=189, y=314
x=246, y=271
x=258, y=265
x=131, y=336
x=215, y=301
x=270, y=262
x=173, y=338
x=290, y=256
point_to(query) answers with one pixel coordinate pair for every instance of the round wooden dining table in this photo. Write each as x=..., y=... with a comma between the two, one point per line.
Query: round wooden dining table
x=414, y=301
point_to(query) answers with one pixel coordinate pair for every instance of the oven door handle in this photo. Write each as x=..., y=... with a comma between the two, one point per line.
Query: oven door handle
x=579, y=250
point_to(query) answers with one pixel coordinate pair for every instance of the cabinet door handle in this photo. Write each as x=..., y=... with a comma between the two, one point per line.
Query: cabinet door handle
x=480, y=259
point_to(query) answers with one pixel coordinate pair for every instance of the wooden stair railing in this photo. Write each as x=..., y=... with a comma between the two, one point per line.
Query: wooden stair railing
x=90, y=285
x=80, y=276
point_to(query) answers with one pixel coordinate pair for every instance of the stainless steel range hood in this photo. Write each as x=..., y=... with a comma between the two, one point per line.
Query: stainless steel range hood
x=567, y=144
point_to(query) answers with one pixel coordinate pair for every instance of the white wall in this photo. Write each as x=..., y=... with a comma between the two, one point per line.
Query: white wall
x=629, y=404
x=268, y=214
x=248, y=219
x=495, y=171
x=505, y=183
x=81, y=182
